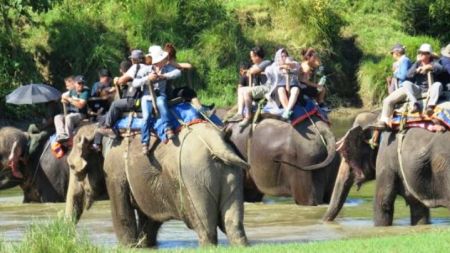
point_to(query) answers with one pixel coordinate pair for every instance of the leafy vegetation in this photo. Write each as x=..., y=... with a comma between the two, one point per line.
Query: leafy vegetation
x=45, y=40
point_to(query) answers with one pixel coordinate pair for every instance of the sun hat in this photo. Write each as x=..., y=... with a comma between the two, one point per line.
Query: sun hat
x=157, y=54
x=446, y=51
x=136, y=54
x=425, y=48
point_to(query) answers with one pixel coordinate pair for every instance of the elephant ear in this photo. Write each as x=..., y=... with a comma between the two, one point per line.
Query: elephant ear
x=351, y=147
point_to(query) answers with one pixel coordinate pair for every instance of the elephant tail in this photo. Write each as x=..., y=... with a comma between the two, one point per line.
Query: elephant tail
x=215, y=143
x=331, y=152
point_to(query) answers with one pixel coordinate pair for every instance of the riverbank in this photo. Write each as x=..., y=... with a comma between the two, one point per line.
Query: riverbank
x=61, y=236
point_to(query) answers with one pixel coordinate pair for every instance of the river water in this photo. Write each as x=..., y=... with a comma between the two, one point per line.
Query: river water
x=277, y=220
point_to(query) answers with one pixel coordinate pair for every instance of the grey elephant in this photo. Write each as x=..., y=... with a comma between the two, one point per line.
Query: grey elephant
x=197, y=179
x=288, y=161
x=45, y=178
x=414, y=165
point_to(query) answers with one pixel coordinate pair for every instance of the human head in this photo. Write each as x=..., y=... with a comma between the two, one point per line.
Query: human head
x=68, y=81
x=104, y=76
x=425, y=52
x=311, y=57
x=124, y=66
x=136, y=56
x=148, y=59
x=79, y=83
x=281, y=56
x=257, y=54
x=159, y=56
x=398, y=50
x=171, y=51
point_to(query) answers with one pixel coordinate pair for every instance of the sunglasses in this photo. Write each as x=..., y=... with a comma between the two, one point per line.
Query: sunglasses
x=424, y=53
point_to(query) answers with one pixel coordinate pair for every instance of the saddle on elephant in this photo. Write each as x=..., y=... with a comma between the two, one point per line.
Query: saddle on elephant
x=439, y=120
x=182, y=114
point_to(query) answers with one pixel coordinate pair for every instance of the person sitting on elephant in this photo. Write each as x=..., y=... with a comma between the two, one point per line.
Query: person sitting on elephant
x=310, y=62
x=45, y=128
x=76, y=100
x=400, y=67
x=130, y=98
x=445, y=62
x=102, y=93
x=158, y=74
x=249, y=91
x=285, y=71
x=416, y=84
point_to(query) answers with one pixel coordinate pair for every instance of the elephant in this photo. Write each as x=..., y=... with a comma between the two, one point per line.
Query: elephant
x=286, y=160
x=45, y=178
x=196, y=178
x=414, y=164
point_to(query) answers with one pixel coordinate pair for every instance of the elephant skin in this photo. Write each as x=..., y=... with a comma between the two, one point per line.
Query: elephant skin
x=45, y=178
x=421, y=178
x=197, y=178
x=13, y=153
x=287, y=161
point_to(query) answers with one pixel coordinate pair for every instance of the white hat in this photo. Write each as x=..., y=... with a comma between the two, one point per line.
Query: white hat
x=157, y=54
x=446, y=51
x=425, y=48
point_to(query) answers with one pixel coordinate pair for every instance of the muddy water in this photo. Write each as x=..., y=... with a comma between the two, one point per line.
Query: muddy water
x=277, y=220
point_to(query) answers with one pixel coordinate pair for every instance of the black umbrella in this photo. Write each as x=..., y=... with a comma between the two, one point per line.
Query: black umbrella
x=33, y=94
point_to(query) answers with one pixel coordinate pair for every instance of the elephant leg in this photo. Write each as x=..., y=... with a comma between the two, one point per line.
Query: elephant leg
x=232, y=215
x=420, y=214
x=123, y=216
x=204, y=216
x=147, y=230
x=384, y=198
x=302, y=188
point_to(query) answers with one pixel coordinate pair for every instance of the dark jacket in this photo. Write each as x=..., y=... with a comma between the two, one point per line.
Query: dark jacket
x=422, y=79
x=444, y=77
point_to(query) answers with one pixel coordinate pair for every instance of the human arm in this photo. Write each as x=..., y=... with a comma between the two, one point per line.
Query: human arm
x=81, y=101
x=402, y=70
x=412, y=71
x=171, y=74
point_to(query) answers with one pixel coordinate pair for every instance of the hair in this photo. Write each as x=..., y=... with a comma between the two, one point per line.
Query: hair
x=170, y=49
x=125, y=65
x=307, y=53
x=69, y=79
x=259, y=51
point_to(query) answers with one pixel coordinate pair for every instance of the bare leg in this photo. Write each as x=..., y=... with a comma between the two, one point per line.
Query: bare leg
x=282, y=95
x=293, y=96
x=321, y=96
x=196, y=103
x=247, y=97
x=240, y=93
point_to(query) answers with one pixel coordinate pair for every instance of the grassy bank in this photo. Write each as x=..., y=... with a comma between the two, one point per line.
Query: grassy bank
x=58, y=236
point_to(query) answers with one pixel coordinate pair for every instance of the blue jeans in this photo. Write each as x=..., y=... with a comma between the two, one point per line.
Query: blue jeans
x=149, y=121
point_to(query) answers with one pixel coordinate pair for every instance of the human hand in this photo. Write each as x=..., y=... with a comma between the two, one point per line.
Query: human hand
x=153, y=76
x=322, y=80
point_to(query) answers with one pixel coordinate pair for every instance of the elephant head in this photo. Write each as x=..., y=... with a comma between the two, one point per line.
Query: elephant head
x=13, y=156
x=357, y=164
x=86, y=173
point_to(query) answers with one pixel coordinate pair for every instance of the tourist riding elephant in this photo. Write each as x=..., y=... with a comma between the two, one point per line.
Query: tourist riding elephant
x=45, y=177
x=288, y=161
x=196, y=178
x=414, y=164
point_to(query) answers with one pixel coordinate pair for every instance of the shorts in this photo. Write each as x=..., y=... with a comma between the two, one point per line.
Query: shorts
x=258, y=92
x=309, y=91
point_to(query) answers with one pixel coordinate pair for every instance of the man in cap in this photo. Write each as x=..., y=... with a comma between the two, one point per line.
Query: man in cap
x=416, y=84
x=131, y=96
x=400, y=67
x=76, y=101
x=158, y=75
x=102, y=93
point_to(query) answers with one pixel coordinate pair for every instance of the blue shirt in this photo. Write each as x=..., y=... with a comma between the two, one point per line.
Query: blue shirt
x=404, y=63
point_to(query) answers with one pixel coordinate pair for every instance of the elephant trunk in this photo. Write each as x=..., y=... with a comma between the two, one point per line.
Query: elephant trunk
x=344, y=182
x=331, y=151
x=75, y=198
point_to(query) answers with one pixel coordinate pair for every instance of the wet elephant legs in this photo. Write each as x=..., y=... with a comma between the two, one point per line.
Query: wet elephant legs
x=123, y=215
x=232, y=216
x=420, y=214
x=148, y=230
x=385, y=194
